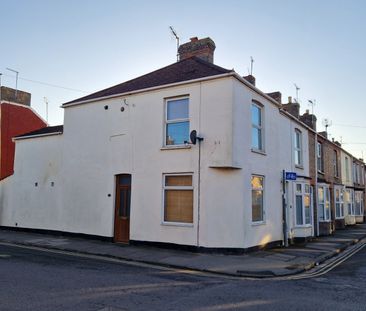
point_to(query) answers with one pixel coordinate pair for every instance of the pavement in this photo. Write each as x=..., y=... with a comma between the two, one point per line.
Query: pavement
x=272, y=262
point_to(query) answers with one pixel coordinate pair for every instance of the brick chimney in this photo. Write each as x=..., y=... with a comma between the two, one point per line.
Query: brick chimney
x=250, y=79
x=324, y=134
x=292, y=107
x=201, y=48
x=309, y=119
x=8, y=94
x=277, y=96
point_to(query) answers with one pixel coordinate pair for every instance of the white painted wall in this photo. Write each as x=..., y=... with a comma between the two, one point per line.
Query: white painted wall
x=98, y=144
x=37, y=160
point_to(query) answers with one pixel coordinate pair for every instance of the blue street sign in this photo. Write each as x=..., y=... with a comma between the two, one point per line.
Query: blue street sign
x=291, y=176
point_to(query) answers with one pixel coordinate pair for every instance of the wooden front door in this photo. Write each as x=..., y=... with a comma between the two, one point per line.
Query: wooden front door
x=122, y=209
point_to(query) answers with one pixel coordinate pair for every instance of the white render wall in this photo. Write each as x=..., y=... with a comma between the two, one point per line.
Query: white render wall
x=98, y=143
x=23, y=204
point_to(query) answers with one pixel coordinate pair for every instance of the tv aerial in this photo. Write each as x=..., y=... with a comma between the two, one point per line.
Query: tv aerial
x=327, y=123
x=297, y=92
x=174, y=33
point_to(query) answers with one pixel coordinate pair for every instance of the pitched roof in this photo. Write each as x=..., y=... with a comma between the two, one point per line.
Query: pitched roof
x=185, y=70
x=43, y=131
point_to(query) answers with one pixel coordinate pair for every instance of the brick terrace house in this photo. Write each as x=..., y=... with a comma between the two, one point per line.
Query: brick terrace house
x=359, y=189
x=330, y=188
x=334, y=201
x=16, y=118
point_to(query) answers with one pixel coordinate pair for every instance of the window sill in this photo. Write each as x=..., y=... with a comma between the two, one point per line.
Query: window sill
x=322, y=220
x=173, y=147
x=177, y=224
x=258, y=223
x=339, y=218
x=307, y=226
x=301, y=167
x=262, y=152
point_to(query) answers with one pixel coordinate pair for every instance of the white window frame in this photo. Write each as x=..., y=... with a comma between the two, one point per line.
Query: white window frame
x=354, y=172
x=339, y=204
x=258, y=127
x=305, y=190
x=166, y=121
x=191, y=188
x=320, y=160
x=323, y=204
x=360, y=195
x=350, y=202
x=263, y=220
x=335, y=163
x=298, y=149
x=347, y=162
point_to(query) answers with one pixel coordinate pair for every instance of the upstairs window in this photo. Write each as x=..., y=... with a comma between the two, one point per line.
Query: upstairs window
x=319, y=154
x=347, y=169
x=177, y=121
x=257, y=127
x=298, y=148
x=335, y=163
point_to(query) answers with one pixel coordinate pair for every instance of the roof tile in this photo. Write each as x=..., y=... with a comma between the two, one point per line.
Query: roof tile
x=185, y=70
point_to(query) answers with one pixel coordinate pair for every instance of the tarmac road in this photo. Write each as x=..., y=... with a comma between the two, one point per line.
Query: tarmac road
x=42, y=280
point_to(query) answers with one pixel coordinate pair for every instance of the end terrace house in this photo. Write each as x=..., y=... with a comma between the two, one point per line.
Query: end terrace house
x=191, y=154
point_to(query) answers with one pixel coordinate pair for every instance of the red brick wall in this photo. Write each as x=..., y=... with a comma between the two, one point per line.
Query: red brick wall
x=15, y=120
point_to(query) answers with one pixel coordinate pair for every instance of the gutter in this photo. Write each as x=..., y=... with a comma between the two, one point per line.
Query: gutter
x=224, y=75
x=35, y=136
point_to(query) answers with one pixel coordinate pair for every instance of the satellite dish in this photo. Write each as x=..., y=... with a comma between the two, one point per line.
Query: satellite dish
x=193, y=137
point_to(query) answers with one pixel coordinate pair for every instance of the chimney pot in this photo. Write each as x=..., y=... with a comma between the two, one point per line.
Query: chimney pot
x=307, y=111
x=194, y=39
x=289, y=99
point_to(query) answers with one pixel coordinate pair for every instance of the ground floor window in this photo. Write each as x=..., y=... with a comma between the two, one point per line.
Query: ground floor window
x=338, y=201
x=358, y=203
x=303, y=213
x=178, y=198
x=349, y=201
x=257, y=198
x=323, y=203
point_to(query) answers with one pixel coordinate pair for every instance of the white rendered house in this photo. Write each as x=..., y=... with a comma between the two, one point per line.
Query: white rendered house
x=124, y=167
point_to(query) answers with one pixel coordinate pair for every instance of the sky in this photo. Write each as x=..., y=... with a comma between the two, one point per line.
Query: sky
x=66, y=49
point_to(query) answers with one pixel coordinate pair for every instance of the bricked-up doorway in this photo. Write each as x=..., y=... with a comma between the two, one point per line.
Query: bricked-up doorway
x=122, y=208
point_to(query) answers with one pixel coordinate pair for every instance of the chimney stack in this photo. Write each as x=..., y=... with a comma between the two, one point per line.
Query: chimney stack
x=250, y=79
x=309, y=119
x=292, y=108
x=277, y=96
x=8, y=94
x=201, y=48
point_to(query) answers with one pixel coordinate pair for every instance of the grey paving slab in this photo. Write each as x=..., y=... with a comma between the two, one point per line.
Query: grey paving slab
x=271, y=262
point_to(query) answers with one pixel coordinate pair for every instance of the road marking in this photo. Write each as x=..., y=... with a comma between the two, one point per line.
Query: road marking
x=313, y=273
x=4, y=256
x=330, y=264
